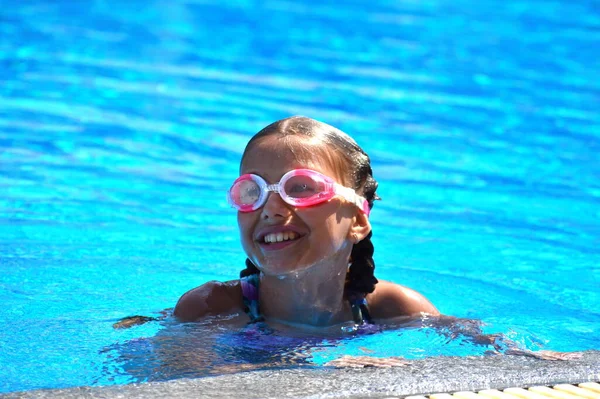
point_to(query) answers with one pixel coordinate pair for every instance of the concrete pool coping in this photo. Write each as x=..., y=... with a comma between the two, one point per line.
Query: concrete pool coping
x=432, y=375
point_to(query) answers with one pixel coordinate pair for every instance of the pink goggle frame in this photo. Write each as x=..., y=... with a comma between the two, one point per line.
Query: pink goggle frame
x=298, y=187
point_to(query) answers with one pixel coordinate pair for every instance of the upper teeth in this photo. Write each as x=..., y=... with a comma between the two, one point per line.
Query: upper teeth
x=278, y=237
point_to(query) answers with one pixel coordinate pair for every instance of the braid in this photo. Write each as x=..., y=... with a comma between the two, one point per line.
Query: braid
x=249, y=270
x=360, y=279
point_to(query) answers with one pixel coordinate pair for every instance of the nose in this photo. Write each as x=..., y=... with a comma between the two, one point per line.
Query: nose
x=275, y=207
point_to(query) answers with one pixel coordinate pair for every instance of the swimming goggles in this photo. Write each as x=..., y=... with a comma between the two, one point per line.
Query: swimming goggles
x=298, y=187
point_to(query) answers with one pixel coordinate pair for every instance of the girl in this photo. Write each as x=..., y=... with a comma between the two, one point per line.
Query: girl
x=303, y=198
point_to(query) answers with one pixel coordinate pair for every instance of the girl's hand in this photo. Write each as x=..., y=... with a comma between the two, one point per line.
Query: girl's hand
x=545, y=355
x=130, y=321
x=367, y=361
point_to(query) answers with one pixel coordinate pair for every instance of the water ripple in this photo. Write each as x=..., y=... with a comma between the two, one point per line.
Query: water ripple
x=120, y=132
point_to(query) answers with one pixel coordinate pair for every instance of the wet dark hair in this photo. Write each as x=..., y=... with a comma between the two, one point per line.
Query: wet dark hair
x=355, y=167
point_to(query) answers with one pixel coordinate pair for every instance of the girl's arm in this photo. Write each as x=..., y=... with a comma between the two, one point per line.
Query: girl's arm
x=392, y=300
x=213, y=298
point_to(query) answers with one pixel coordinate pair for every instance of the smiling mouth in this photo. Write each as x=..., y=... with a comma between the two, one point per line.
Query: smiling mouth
x=273, y=238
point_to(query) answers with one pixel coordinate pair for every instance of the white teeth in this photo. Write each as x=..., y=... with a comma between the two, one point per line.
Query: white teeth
x=280, y=237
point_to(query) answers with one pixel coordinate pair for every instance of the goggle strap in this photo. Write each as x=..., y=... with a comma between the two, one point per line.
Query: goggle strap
x=350, y=195
x=273, y=187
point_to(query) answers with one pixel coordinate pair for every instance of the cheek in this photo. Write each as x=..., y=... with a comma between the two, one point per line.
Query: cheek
x=331, y=230
x=338, y=231
x=245, y=223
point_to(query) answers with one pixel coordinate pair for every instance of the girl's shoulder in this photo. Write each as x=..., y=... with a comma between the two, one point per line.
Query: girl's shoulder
x=210, y=299
x=391, y=300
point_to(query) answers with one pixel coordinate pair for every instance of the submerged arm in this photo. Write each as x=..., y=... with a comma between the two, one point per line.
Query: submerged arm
x=454, y=327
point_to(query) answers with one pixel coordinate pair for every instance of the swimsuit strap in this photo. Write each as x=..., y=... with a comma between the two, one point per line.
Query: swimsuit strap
x=360, y=310
x=250, y=294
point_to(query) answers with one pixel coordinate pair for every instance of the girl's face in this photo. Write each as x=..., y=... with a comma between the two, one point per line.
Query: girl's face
x=281, y=239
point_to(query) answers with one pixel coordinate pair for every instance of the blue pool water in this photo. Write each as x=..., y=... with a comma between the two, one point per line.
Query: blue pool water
x=122, y=124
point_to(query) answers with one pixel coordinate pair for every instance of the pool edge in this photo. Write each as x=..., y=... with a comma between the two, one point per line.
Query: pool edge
x=420, y=377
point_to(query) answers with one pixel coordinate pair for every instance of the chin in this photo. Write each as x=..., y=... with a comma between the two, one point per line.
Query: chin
x=275, y=270
x=286, y=269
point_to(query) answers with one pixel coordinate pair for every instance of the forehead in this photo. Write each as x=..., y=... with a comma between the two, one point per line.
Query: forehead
x=272, y=156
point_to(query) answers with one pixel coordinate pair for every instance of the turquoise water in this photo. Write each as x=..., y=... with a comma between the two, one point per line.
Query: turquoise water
x=121, y=126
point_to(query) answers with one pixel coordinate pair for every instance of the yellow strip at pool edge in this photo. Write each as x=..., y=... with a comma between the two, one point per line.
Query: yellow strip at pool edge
x=591, y=386
x=572, y=389
x=585, y=390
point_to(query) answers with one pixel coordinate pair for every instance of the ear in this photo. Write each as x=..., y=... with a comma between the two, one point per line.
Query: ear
x=360, y=228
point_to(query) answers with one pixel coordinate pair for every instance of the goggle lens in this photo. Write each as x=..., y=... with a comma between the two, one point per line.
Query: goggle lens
x=245, y=192
x=303, y=187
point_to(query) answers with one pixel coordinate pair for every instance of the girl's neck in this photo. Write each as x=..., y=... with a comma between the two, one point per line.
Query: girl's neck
x=313, y=297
